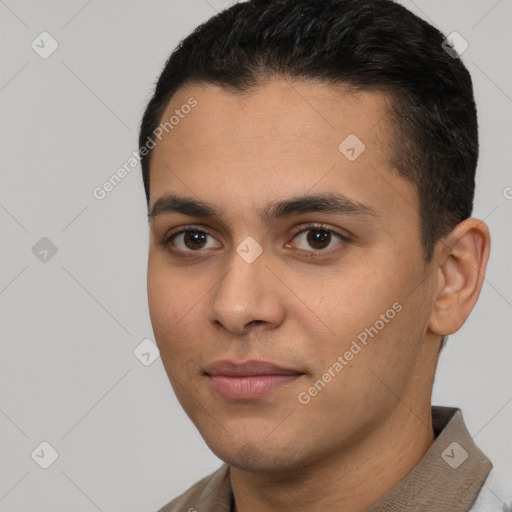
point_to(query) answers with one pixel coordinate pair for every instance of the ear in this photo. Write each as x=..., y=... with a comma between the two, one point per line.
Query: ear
x=463, y=256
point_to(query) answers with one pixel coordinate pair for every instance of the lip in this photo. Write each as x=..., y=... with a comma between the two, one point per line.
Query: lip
x=247, y=368
x=248, y=380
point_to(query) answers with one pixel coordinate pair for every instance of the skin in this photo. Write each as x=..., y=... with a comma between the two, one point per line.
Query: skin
x=300, y=305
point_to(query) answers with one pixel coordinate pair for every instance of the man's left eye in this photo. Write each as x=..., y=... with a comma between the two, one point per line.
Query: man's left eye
x=318, y=238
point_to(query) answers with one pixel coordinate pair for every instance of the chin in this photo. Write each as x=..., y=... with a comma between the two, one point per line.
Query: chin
x=253, y=455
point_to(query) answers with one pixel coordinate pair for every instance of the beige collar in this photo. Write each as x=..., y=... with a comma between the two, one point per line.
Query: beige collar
x=448, y=477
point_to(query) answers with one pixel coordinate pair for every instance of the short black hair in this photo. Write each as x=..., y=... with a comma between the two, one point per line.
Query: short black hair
x=368, y=45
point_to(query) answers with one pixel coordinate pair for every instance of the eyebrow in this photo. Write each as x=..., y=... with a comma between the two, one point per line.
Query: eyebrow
x=331, y=203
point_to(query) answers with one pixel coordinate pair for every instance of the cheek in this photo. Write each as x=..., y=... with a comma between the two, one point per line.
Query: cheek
x=160, y=301
x=173, y=307
x=354, y=300
x=378, y=333
x=175, y=337
x=368, y=315
x=170, y=294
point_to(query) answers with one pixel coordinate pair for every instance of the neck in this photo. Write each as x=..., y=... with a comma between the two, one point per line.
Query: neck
x=351, y=480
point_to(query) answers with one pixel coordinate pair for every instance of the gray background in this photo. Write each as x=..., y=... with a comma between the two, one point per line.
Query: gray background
x=68, y=374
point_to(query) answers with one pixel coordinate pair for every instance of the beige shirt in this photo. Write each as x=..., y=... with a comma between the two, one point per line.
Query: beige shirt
x=448, y=478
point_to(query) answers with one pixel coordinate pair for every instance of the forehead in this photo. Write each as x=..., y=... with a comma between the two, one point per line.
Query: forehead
x=314, y=112
x=279, y=139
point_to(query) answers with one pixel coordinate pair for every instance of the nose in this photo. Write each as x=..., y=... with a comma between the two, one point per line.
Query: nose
x=248, y=295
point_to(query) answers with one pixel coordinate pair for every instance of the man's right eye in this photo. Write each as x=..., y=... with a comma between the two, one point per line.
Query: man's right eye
x=188, y=239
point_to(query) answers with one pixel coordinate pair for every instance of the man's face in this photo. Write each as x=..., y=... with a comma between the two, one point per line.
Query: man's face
x=348, y=286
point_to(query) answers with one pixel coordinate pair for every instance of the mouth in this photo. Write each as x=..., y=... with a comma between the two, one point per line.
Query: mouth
x=249, y=380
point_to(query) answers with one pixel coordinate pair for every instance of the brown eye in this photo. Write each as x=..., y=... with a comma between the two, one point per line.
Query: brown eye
x=317, y=238
x=191, y=240
x=194, y=239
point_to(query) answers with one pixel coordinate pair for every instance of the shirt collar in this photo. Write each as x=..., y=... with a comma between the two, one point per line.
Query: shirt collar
x=448, y=477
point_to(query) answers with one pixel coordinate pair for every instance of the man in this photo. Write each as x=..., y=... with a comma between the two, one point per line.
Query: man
x=309, y=171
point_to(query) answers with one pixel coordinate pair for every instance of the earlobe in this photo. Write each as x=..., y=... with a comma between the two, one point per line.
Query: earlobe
x=465, y=252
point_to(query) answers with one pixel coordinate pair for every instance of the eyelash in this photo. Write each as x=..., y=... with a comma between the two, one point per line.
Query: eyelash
x=308, y=227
